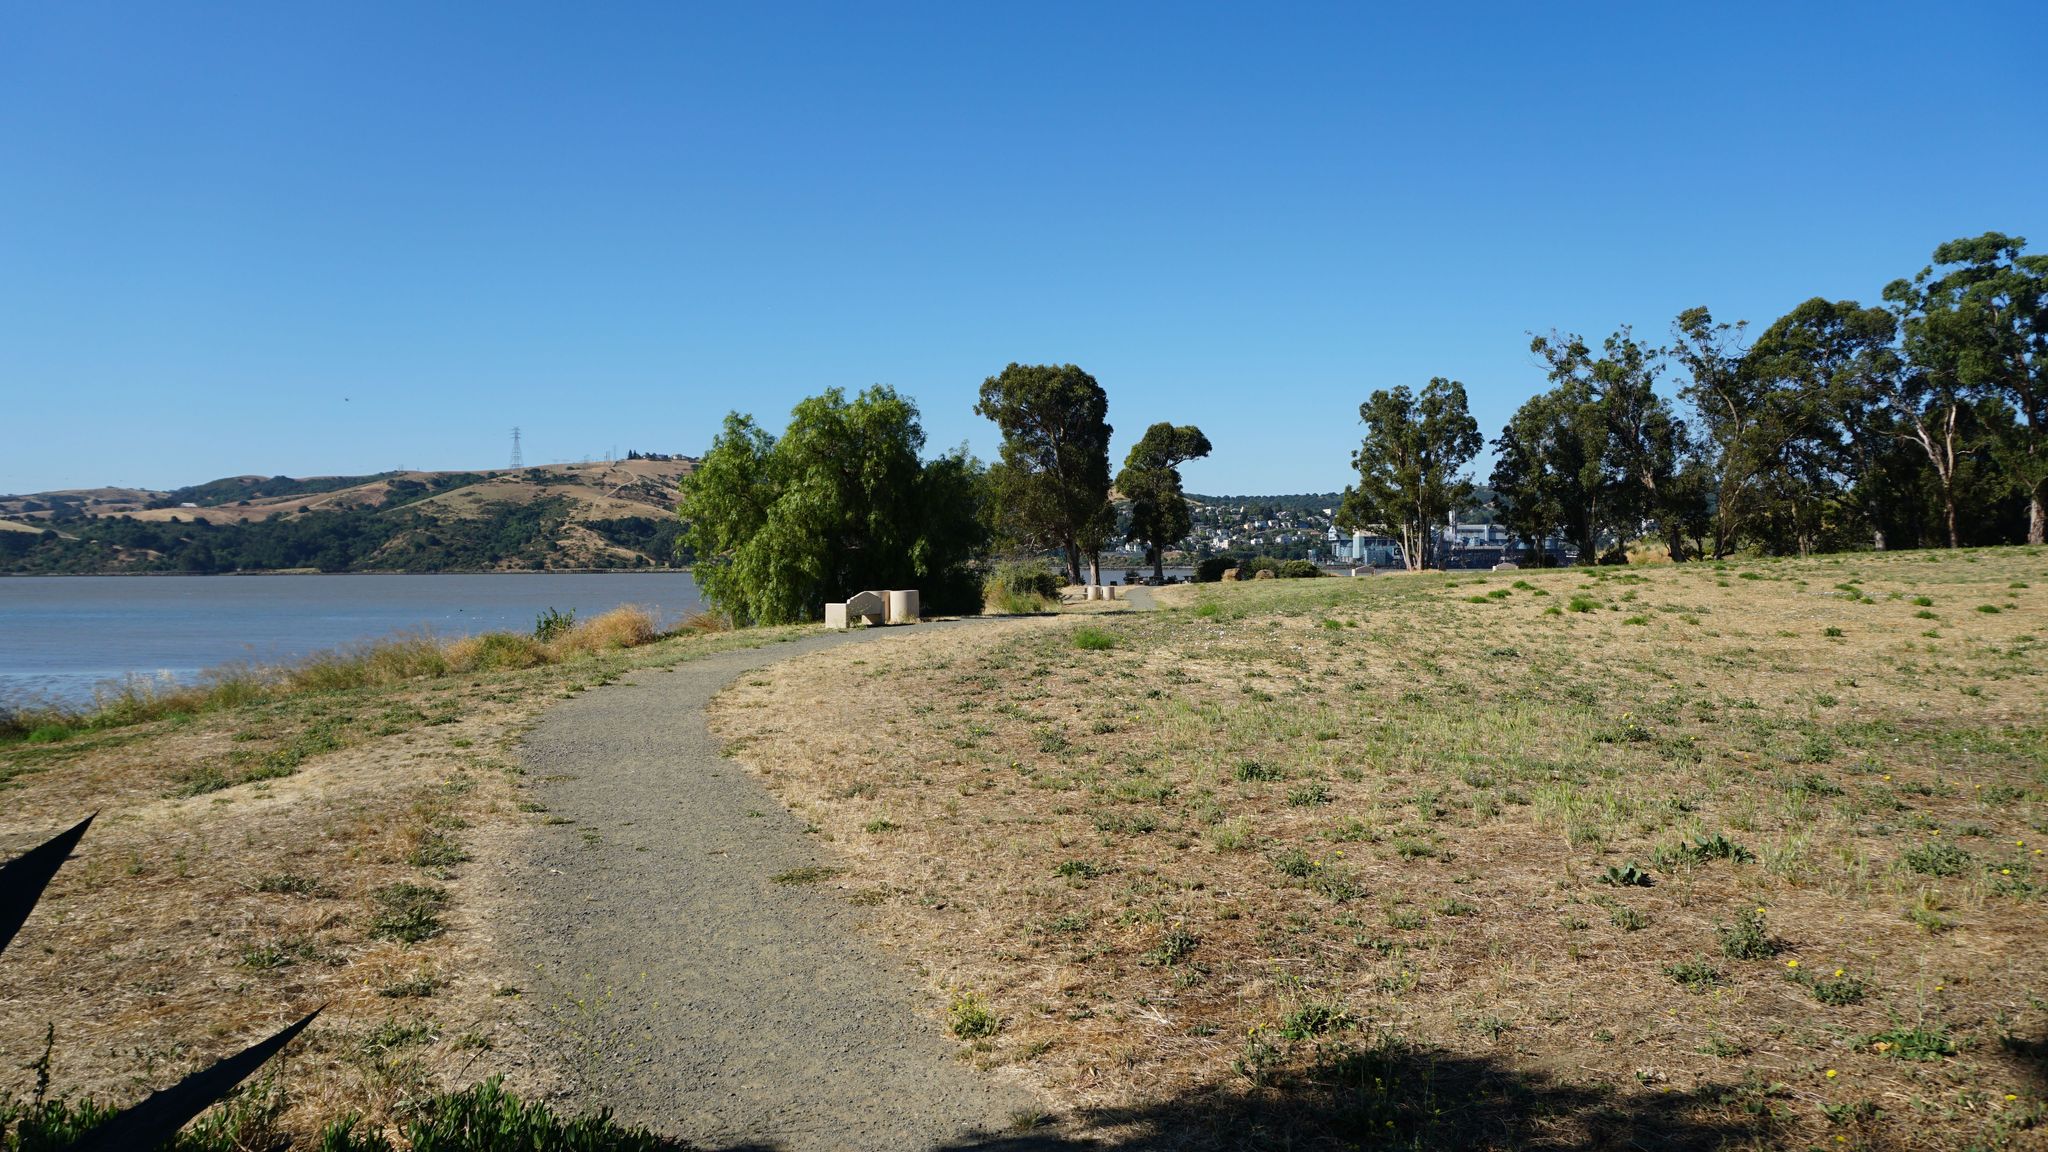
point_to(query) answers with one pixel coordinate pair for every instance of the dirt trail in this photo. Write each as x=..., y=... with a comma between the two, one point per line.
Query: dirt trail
x=694, y=995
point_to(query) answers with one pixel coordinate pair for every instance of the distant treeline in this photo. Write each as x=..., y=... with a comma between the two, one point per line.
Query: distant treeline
x=352, y=540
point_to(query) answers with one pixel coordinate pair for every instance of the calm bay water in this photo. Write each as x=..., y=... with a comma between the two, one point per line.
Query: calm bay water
x=61, y=635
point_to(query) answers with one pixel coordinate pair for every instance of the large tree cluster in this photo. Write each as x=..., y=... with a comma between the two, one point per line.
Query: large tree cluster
x=1920, y=421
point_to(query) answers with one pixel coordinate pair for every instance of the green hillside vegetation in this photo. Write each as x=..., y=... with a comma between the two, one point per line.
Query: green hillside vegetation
x=555, y=517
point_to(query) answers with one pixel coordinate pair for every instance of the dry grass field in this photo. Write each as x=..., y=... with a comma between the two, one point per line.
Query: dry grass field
x=314, y=844
x=1676, y=856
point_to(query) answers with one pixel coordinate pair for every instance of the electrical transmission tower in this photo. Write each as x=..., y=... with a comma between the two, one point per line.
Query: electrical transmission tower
x=518, y=460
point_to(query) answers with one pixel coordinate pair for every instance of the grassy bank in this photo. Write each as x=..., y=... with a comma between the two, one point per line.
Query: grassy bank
x=274, y=840
x=374, y=664
x=1744, y=853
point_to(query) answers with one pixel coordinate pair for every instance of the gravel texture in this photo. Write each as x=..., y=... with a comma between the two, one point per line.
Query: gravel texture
x=690, y=992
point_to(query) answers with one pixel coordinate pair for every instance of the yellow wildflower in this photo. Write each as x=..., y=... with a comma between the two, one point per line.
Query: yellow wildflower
x=1831, y=1073
x=1791, y=963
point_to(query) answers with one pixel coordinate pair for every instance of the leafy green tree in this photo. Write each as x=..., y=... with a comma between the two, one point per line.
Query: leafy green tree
x=1820, y=376
x=1525, y=491
x=1730, y=447
x=1150, y=480
x=1631, y=475
x=1411, y=465
x=1975, y=324
x=838, y=504
x=1050, y=486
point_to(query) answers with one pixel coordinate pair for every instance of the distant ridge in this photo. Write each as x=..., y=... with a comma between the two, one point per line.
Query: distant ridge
x=546, y=517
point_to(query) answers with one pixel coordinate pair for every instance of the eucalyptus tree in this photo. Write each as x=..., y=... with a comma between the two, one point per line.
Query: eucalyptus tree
x=1975, y=324
x=1150, y=480
x=1730, y=447
x=1411, y=465
x=1634, y=472
x=1050, y=486
x=1828, y=375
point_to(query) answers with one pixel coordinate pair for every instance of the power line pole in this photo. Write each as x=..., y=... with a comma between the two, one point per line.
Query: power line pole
x=518, y=460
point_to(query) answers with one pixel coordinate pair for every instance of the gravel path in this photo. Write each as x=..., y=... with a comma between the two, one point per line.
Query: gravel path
x=696, y=996
x=1140, y=598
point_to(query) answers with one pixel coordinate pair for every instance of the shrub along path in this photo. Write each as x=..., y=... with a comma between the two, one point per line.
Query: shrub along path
x=706, y=974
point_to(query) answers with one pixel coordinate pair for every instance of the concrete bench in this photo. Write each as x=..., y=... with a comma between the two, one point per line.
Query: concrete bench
x=895, y=606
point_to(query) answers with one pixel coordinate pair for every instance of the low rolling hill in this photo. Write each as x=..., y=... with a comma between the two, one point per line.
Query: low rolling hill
x=604, y=515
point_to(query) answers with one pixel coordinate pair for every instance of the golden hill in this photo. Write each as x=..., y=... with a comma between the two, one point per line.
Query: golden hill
x=591, y=513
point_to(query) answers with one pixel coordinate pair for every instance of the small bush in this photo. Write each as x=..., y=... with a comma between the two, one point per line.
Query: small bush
x=1211, y=570
x=551, y=624
x=1299, y=570
x=1094, y=640
x=1583, y=604
x=1018, y=589
x=971, y=1019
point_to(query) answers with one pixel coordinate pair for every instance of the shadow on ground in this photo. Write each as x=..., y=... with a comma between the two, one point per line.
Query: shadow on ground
x=1398, y=1096
x=1394, y=1095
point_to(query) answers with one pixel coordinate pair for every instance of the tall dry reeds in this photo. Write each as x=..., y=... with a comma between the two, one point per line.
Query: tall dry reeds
x=374, y=664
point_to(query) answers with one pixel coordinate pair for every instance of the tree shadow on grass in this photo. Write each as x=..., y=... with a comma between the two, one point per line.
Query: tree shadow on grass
x=2031, y=1054
x=1394, y=1095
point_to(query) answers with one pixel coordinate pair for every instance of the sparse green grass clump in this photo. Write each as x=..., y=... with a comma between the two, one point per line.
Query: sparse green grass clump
x=808, y=874
x=486, y=1118
x=1094, y=639
x=408, y=913
x=1937, y=858
x=1916, y=1043
x=1695, y=975
x=1747, y=938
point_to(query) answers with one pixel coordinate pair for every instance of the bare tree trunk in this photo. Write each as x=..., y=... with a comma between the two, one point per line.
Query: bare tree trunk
x=1159, y=565
x=1095, y=568
x=1073, y=562
x=2037, y=517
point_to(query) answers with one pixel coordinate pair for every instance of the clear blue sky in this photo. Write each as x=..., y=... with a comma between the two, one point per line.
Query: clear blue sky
x=611, y=223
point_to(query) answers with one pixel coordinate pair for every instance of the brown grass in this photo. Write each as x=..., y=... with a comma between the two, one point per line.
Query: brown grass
x=1324, y=858
x=233, y=878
